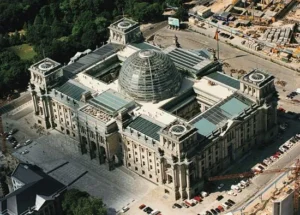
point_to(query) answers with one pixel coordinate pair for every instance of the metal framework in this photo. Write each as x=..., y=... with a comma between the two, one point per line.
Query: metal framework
x=149, y=75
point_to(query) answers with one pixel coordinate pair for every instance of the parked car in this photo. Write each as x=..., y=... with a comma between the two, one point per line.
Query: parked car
x=204, y=194
x=214, y=212
x=18, y=146
x=12, y=131
x=245, y=183
x=220, y=197
x=229, y=204
x=124, y=209
x=221, y=208
x=230, y=201
x=208, y=213
x=184, y=205
x=231, y=193
x=142, y=206
x=218, y=210
x=27, y=142
x=176, y=205
x=225, y=206
x=25, y=152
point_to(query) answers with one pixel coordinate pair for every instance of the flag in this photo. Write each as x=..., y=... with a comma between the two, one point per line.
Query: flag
x=216, y=37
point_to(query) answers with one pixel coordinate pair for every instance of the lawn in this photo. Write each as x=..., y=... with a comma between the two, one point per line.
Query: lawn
x=24, y=51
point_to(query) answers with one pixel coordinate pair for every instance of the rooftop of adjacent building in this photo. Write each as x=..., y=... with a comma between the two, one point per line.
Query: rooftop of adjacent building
x=257, y=77
x=38, y=188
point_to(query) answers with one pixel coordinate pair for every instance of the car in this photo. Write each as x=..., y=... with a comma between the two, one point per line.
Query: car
x=176, y=205
x=263, y=164
x=214, y=21
x=218, y=210
x=12, y=131
x=25, y=152
x=230, y=201
x=18, y=146
x=27, y=142
x=220, y=186
x=149, y=211
x=285, y=147
x=231, y=193
x=9, y=137
x=204, y=194
x=219, y=198
x=124, y=209
x=231, y=37
x=208, y=213
x=261, y=167
x=225, y=206
x=184, y=205
x=142, y=206
x=214, y=212
x=221, y=208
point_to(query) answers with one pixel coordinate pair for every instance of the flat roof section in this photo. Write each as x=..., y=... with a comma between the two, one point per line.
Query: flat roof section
x=187, y=60
x=225, y=79
x=234, y=106
x=111, y=101
x=219, y=114
x=205, y=127
x=146, y=127
x=92, y=58
x=73, y=90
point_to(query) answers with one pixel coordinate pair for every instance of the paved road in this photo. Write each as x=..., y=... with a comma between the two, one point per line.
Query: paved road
x=154, y=28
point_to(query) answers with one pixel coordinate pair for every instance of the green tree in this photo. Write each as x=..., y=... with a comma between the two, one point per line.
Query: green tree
x=180, y=13
x=76, y=202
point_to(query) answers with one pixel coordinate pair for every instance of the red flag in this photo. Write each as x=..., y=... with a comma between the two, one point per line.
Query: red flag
x=216, y=37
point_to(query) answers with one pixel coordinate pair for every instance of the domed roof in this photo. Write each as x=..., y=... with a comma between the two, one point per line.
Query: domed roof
x=149, y=75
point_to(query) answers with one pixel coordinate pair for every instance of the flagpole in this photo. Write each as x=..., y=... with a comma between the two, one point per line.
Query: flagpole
x=218, y=50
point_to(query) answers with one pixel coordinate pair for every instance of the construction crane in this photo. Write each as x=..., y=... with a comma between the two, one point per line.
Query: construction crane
x=3, y=136
x=295, y=171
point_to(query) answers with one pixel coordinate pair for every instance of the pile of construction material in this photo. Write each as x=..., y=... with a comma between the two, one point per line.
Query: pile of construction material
x=280, y=36
x=253, y=45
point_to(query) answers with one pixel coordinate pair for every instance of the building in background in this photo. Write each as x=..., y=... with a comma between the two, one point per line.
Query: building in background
x=167, y=115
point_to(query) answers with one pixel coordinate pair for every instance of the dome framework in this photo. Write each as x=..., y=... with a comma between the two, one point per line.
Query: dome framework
x=149, y=75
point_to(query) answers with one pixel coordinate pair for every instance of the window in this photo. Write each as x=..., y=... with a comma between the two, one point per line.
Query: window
x=62, y=128
x=68, y=123
x=59, y=106
x=39, y=121
x=129, y=155
x=157, y=164
x=136, y=159
x=135, y=146
x=129, y=164
x=128, y=149
x=158, y=171
x=55, y=116
x=54, y=110
x=143, y=163
x=61, y=119
x=143, y=156
x=142, y=149
x=150, y=176
x=151, y=167
x=143, y=172
x=150, y=161
x=150, y=154
x=209, y=157
x=136, y=169
x=73, y=134
x=135, y=153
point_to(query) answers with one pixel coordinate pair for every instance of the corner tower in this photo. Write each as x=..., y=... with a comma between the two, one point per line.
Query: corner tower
x=125, y=31
x=45, y=74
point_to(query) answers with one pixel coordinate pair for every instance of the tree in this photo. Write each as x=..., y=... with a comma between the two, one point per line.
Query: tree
x=76, y=202
x=181, y=13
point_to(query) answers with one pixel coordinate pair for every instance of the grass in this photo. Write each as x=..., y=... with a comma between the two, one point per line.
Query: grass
x=24, y=51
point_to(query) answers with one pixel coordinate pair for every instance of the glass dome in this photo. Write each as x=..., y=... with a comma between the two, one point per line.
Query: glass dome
x=149, y=75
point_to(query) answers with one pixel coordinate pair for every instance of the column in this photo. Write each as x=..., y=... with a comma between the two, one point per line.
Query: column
x=33, y=95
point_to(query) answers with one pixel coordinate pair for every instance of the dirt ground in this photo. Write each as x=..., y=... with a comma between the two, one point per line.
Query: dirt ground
x=220, y=5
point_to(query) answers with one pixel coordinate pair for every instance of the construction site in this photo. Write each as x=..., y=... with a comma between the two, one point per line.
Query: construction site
x=268, y=26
